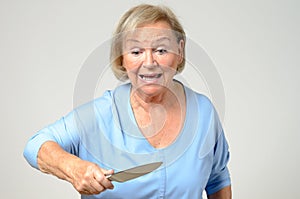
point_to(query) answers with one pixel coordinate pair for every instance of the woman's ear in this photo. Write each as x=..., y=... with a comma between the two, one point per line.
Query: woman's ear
x=181, y=50
x=122, y=64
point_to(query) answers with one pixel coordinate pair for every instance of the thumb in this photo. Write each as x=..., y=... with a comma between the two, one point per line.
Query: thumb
x=100, y=173
x=107, y=172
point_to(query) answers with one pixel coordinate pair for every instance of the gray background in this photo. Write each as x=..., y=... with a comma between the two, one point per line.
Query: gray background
x=254, y=45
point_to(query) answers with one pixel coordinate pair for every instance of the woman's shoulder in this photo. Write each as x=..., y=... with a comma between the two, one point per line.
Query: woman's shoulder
x=117, y=91
x=108, y=96
x=200, y=98
x=101, y=107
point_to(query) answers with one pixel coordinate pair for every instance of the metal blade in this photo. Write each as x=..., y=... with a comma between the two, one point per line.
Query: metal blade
x=134, y=172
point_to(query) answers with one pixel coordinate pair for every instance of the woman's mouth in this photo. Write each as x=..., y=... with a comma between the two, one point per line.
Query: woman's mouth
x=150, y=77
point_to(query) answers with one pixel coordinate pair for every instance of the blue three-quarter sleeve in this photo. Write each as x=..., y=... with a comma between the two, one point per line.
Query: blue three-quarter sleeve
x=62, y=132
x=219, y=177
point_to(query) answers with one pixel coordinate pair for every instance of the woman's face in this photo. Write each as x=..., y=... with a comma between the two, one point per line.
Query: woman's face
x=151, y=55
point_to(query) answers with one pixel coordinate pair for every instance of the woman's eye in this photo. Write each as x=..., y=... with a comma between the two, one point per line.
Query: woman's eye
x=161, y=51
x=135, y=52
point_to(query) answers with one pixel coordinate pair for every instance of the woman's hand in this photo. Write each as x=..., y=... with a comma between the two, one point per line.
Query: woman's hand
x=86, y=177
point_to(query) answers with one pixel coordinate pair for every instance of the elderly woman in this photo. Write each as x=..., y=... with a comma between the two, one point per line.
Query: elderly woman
x=152, y=118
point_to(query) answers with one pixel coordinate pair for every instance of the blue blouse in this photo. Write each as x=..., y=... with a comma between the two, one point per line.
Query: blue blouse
x=105, y=132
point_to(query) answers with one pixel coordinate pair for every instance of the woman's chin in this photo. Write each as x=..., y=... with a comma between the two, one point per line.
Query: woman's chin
x=151, y=89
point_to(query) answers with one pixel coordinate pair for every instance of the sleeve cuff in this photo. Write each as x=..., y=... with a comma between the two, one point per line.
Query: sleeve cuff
x=32, y=148
x=217, y=186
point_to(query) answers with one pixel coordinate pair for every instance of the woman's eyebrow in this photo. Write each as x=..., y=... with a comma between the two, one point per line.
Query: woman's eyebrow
x=130, y=43
x=132, y=40
x=157, y=40
x=162, y=39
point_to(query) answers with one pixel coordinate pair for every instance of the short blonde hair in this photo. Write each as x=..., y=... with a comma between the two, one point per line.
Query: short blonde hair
x=132, y=19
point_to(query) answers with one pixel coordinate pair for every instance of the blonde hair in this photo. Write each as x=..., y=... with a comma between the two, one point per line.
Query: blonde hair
x=132, y=19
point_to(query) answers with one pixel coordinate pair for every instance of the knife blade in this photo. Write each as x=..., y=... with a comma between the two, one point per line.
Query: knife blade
x=135, y=172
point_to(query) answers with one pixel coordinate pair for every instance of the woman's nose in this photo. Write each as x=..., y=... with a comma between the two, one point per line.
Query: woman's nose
x=149, y=59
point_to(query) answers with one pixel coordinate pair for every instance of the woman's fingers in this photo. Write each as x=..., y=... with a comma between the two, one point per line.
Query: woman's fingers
x=96, y=187
x=100, y=176
x=89, y=178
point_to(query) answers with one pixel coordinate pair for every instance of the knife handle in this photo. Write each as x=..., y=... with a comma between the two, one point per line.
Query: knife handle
x=108, y=176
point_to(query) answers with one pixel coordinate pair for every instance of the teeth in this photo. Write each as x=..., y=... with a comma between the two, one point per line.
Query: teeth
x=150, y=77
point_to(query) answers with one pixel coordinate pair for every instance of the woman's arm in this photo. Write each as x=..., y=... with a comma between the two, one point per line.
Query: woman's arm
x=224, y=193
x=86, y=177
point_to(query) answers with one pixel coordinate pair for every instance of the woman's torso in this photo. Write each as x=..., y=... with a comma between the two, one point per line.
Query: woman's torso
x=121, y=145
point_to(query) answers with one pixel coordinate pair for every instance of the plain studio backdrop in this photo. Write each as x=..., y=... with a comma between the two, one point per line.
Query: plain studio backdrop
x=254, y=46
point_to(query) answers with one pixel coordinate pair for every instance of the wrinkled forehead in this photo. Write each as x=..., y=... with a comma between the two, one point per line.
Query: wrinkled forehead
x=150, y=36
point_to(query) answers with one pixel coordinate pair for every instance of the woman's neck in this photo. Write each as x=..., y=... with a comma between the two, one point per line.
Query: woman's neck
x=160, y=118
x=167, y=97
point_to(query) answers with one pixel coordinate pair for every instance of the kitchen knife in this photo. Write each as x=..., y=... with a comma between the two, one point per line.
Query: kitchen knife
x=129, y=174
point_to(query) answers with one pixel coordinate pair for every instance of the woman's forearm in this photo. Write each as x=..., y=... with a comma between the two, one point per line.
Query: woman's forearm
x=52, y=159
x=86, y=177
